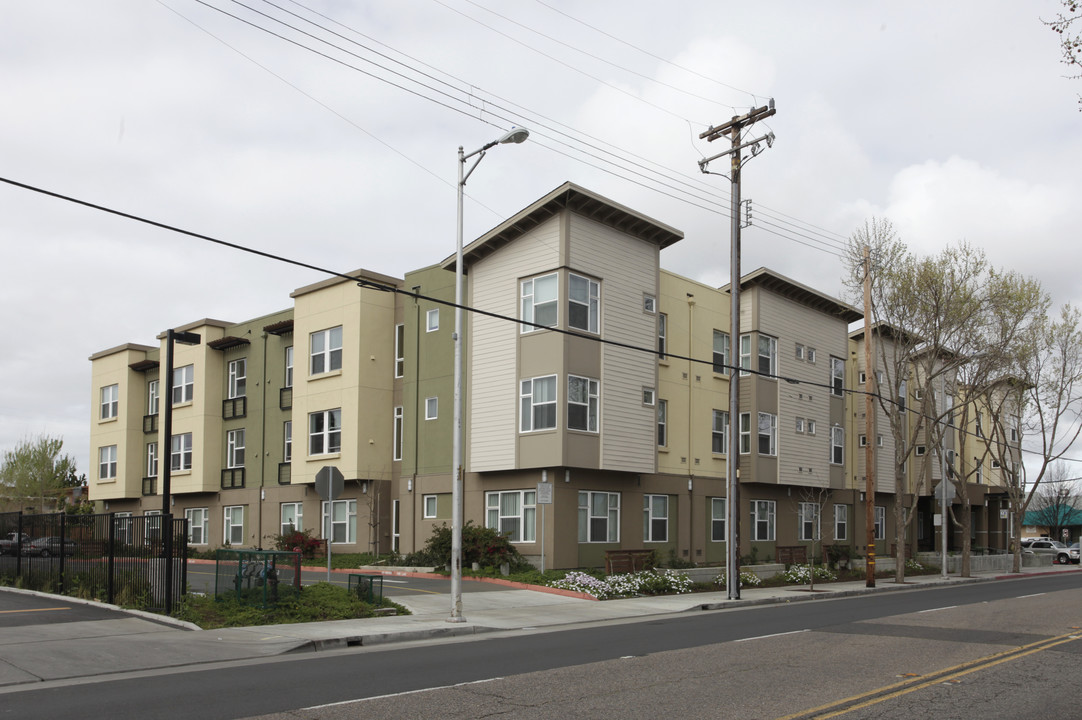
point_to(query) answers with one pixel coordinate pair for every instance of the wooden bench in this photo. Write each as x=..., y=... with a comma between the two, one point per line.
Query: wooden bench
x=792, y=554
x=628, y=561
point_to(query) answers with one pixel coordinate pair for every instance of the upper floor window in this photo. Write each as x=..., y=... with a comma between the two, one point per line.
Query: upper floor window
x=325, y=432
x=326, y=350
x=287, y=441
x=399, y=426
x=107, y=462
x=539, y=298
x=538, y=404
x=662, y=423
x=745, y=354
x=719, y=436
x=768, y=434
x=837, y=444
x=662, y=322
x=432, y=406
x=583, y=303
x=837, y=376
x=399, y=350
x=234, y=453
x=582, y=403
x=649, y=304
x=238, y=378
x=110, y=401
x=152, y=459
x=180, y=452
x=745, y=433
x=768, y=355
x=811, y=355
x=152, y=397
x=722, y=350
x=289, y=367
x=183, y=384
x=432, y=320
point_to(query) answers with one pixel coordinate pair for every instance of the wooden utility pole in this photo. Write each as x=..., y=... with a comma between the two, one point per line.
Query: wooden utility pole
x=870, y=389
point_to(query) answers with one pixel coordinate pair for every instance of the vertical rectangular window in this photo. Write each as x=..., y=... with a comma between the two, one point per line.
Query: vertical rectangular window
x=234, y=449
x=768, y=434
x=110, y=401
x=655, y=518
x=841, y=522
x=837, y=445
x=799, y=351
x=183, y=384
x=582, y=403
x=325, y=432
x=811, y=355
x=152, y=460
x=662, y=423
x=233, y=525
x=432, y=320
x=717, y=520
x=762, y=520
x=837, y=376
x=662, y=331
x=745, y=433
x=399, y=426
x=538, y=404
x=326, y=353
x=648, y=396
x=539, y=301
x=340, y=521
x=799, y=425
x=429, y=505
x=287, y=441
x=238, y=378
x=745, y=355
x=583, y=303
x=721, y=352
x=649, y=304
x=432, y=407
x=513, y=513
x=810, y=426
x=808, y=521
x=152, y=397
x=902, y=397
x=880, y=522
x=107, y=462
x=399, y=350
x=768, y=356
x=599, y=517
x=180, y=452
x=289, y=367
x=292, y=517
x=719, y=435
x=197, y=525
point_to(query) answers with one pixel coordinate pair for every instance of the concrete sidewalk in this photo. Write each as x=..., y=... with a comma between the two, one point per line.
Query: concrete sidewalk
x=142, y=642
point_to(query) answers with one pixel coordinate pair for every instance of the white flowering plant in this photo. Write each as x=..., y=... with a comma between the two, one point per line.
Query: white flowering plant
x=647, y=582
x=747, y=578
x=800, y=574
x=913, y=566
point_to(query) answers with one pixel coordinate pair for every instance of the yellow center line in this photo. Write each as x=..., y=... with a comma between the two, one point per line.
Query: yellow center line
x=5, y=612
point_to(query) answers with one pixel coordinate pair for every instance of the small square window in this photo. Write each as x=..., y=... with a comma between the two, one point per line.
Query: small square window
x=430, y=506
x=810, y=427
x=433, y=320
x=799, y=351
x=647, y=396
x=811, y=355
x=800, y=425
x=649, y=304
x=431, y=408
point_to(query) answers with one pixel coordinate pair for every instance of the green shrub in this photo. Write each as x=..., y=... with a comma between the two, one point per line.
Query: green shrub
x=485, y=546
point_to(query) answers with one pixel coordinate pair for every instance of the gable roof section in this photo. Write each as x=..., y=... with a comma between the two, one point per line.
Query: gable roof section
x=798, y=292
x=579, y=201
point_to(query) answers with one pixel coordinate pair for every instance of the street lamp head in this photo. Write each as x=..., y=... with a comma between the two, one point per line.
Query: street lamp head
x=515, y=135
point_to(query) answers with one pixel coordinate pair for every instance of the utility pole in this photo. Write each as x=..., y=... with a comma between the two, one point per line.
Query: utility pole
x=870, y=387
x=734, y=128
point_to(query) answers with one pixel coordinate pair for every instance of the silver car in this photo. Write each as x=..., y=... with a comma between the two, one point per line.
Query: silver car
x=1060, y=552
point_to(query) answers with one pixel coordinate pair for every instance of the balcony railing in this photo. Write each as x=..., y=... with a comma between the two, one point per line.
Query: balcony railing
x=234, y=408
x=285, y=398
x=285, y=473
x=150, y=424
x=150, y=484
x=232, y=478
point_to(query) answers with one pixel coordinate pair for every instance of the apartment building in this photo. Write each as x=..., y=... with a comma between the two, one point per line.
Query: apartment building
x=596, y=404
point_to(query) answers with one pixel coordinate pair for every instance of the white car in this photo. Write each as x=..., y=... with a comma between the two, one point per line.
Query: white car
x=1058, y=550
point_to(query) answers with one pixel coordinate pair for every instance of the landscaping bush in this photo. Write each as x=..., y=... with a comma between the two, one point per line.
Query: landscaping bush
x=747, y=578
x=298, y=541
x=647, y=582
x=485, y=546
x=800, y=574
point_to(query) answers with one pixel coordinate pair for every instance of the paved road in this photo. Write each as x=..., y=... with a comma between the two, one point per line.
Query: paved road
x=18, y=610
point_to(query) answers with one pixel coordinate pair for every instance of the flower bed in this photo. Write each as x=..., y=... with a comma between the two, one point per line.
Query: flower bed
x=647, y=582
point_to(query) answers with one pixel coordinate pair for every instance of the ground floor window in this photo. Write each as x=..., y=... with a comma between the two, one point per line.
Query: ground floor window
x=292, y=515
x=152, y=525
x=197, y=525
x=808, y=521
x=655, y=518
x=880, y=522
x=123, y=528
x=340, y=521
x=513, y=512
x=762, y=520
x=233, y=533
x=599, y=517
x=841, y=522
x=717, y=520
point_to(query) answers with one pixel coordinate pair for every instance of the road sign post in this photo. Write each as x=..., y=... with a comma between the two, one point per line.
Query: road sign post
x=544, y=497
x=329, y=484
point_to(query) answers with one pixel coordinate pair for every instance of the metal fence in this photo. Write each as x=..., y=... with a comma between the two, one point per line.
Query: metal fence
x=124, y=560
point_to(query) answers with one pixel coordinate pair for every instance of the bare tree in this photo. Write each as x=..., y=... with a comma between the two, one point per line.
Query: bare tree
x=810, y=506
x=1070, y=44
x=1055, y=505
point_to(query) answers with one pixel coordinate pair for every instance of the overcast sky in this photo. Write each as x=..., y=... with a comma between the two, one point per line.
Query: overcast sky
x=954, y=120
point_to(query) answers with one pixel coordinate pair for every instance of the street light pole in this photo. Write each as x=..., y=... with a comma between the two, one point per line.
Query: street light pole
x=515, y=135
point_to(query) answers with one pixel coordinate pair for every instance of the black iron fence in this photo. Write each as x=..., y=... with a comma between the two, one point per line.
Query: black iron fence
x=119, y=559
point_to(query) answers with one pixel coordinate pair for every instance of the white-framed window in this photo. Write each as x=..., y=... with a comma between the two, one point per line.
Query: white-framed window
x=863, y=378
x=979, y=479
x=745, y=433
x=662, y=423
x=582, y=403
x=107, y=462
x=717, y=520
x=399, y=427
x=234, y=448
x=996, y=465
x=655, y=518
x=180, y=452
x=762, y=520
x=583, y=303
x=768, y=355
x=537, y=404
x=799, y=425
x=110, y=401
x=799, y=351
x=719, y=432
x=292, y=517
x=841, y=522
x=152, y=459
x=233, y=525
x=837, y=376
x=649, y=304
x=811, y=355
x=152, y=397
x=432, y=320
x=340, y=521
x=326, y=351
x=879, y=441
x=837, y=445
x=287, y=441
x=152, y=525
x=862, y=441
x=722, y=349
x=1014, y=435
x=599, y=517
x=429, y=506
x=978, y=425
x=921, y=450
x=399, y=350
x=648, y=396
x=238, y=378
x=432, y=408
x=124, y=534
x=903, y=396
x=745, y=355
x=809, y=424
x=880, y=522
x=325, y=432
x=540, y=301
x=918, y=394
x=662, y=332
x=289, y=367
x=768, y=434
x=808, y=521
x=197, y=525
x=513, y=512
x=183, y=384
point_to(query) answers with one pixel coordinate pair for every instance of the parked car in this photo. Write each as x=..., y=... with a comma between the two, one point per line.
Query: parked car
x=46, y=546
x=1026, y=542
x=10, y=544
x=1060, y=552
x=1073, y=548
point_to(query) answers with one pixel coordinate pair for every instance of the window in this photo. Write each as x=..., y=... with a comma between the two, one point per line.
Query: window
x=837, y=445
x=582, y=403
x=745, y=354
x=399, y=350
x=107, y=462
x=880, y=522
x=325, y=432
x=124, y=528
x=902, y=397
x=864, y=377
x=583, y=303
x=1014, y=434
x=862, y=441
x=719, y=435
x=183, y=384
x=717, y=520
x=980, y=472
x=599, y=517
x=647, y=396
x=197, y=525
x=811, y=355
x=721, y=352
x=662, y=331
x=289, y=367
x=152, y=397
x=432, y=406
x=429, y=504
x=180, y=452
x=808, y=521
x=655, y=518
x=234, y=449
x=977, y=426
x=921, y=449
x=768, y=434
x=762, y=519
x=292, y=517
x=768, y=355
x=649, y=304
x=152, y=459
x=841, y=522
x=996, y=465
x=234, y=525
x=810, y=426
x=340, y=521
x=662, y=422
x=539, y=301
x=800, y=425
x=745, y=433
x=837, y=376
x=538, y=404
x=238, y=378
x=326, y=351
x=399, y=426
x=879, y=441
x=110, y=401
x=287, y=441
x=799, y=351
x=513, y=512
x=918, y=394
x=152, y=525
